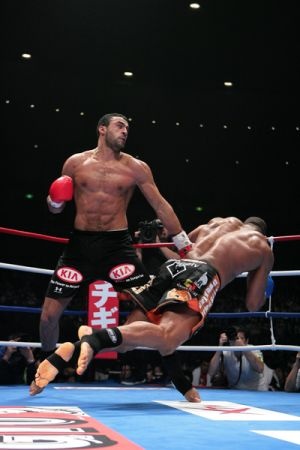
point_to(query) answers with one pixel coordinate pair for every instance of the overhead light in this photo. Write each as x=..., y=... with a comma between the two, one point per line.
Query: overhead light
x=194, y=5
x=128, y=74
x=26, y=55
x=228, y=83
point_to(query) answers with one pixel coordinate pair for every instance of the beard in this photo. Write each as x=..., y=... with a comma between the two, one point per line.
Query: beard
x=116, y=144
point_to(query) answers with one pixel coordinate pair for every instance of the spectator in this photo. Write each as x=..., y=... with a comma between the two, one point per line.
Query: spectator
x=200, y=375
x=292, y=382
x=243, y=370
x=17, y=364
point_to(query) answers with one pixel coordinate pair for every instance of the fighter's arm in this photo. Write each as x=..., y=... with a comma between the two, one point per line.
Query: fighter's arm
x=290, y=382
x=161, y=206
x=174, y=369
x=255, y=361
x=257, y=282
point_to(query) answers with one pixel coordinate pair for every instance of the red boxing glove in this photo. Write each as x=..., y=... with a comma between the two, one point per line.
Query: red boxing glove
x=61, y=190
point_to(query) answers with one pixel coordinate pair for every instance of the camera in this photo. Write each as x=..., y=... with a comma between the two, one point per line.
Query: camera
x=231, y=334
x=149, y=230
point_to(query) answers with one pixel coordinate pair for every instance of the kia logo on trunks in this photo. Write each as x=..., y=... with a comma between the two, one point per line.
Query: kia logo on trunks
x=69, y=275
x=122, y=271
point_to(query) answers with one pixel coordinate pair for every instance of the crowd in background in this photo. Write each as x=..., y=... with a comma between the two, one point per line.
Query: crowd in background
x=21, y=291
x=18, y=289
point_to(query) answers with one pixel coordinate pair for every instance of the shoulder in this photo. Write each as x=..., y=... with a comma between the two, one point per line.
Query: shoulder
x=141, y=168
x=134, y=160
x=75, y=160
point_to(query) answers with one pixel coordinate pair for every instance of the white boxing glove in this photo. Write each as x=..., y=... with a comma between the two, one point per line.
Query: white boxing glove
x=182, y=243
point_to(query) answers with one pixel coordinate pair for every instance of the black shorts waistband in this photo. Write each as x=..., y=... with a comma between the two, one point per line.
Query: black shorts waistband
x=122, y=232
x=211, y=268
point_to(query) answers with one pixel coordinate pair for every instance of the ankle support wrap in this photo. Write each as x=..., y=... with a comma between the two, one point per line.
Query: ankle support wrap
x=57, y=361
x=75, y=356
x=105, y=338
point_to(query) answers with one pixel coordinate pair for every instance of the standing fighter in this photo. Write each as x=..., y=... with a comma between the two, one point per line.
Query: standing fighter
x=179, y=298
x=102, y=182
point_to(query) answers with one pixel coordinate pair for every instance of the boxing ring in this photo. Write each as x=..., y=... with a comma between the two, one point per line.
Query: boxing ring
x=106, y=414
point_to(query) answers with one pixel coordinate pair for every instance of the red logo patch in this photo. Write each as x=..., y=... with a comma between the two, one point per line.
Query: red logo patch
x=69, y=275
x=121, y=271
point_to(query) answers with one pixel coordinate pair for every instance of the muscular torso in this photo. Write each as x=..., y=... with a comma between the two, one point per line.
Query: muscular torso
x=240, y=249
x=102, y=189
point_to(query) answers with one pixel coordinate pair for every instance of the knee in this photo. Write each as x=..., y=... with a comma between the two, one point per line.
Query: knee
x=48, y=319
x=168, y=342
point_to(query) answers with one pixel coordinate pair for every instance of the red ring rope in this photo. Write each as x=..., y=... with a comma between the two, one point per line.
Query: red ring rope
x=45, y=237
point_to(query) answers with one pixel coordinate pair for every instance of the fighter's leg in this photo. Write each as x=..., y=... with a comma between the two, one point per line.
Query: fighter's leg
x=92, y=343
x=85, y=357
x=49, y=322
x=50, y=367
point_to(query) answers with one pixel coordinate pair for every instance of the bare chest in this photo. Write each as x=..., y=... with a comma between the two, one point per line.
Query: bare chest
x=107, y=178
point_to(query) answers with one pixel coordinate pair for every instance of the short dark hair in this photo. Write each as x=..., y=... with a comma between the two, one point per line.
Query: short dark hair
x=105, y=120
x=243, y=330
x=259, y=223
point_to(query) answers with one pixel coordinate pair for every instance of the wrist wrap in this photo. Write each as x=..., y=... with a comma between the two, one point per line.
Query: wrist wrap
x=55, y=204
x=173, y=366
x=182, y=243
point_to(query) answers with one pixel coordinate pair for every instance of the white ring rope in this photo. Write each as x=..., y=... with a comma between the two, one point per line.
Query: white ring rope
x=275, y=273
x=187, y=348
x=272, y=346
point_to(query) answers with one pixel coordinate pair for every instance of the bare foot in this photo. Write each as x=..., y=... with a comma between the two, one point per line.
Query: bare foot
x=83, y=330
x=46, y=372
x=192, y=395
x=86, y=355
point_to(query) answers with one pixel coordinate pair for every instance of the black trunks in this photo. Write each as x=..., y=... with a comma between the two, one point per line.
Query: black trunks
x=192, y=282
x=90, y=256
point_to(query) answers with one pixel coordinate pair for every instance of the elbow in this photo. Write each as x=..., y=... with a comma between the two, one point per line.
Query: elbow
x=289, y=388
x=254, y=305
x=260, y=368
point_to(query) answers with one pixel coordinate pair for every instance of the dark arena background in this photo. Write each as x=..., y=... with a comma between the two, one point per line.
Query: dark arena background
x=212, y=96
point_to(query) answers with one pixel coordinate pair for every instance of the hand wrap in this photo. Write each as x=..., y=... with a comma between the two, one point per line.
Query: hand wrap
x=173, y=366
x=182, y=243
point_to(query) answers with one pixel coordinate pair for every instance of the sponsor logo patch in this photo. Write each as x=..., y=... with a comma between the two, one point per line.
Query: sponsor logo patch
x=69, y=275
x=180, y=295
x=121, y=272
x=56, y=427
